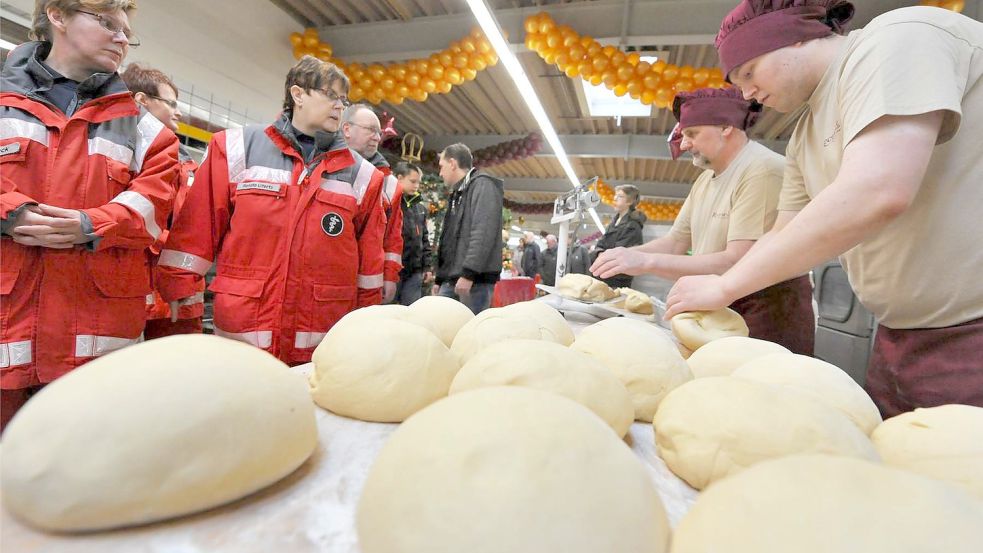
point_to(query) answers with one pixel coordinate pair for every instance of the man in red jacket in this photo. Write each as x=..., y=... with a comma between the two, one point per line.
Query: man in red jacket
x=87, y=185
x=291, y=216
x=363, y=132
x=155, y=92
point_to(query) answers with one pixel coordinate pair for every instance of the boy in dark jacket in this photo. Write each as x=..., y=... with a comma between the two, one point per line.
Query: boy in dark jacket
x=416, y=242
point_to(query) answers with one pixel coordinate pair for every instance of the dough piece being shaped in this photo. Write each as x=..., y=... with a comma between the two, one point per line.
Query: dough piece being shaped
x=553, y=368
x=509, y=469
x=696, y=328
x=711, y=428
x=551, y=323
x=445, y=315
x=817, y=378
x=643, y=357
x=584, y=288
x=636, y=301
x=723, y=356
x=380, y=370
x=825, y=503
x=492, y=326
x=391, y=311
x=153, y=431
x=944, y=442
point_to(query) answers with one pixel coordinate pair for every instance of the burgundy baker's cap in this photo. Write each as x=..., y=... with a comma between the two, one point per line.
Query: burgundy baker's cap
x=756, y=27
x=711, y=106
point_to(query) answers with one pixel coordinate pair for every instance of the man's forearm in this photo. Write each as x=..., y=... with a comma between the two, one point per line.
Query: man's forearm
x=673, y=267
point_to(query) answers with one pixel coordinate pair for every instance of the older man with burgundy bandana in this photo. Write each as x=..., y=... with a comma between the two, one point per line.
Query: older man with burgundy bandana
x=884, y=170
x=732, y=204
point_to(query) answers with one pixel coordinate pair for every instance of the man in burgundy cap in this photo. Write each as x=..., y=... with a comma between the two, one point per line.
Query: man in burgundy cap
x=884, y=169
x=731, y=205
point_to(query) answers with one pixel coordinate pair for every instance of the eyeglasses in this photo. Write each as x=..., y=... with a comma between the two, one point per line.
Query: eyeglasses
x=373, y=130
x=334, y=97
x=170, y=103
x=114, y=28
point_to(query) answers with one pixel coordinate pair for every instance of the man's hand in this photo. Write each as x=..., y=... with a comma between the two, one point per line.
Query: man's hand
x=435, y=290
x=697, y=293
x=463, y=287
x=48, y=226
x=619, y=261
x=388, y=291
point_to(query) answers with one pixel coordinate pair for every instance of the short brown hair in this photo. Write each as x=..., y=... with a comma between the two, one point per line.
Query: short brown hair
x=461, y=154
x=631, y=191
x=41, y=28
x=310, y=74
x=146, y=79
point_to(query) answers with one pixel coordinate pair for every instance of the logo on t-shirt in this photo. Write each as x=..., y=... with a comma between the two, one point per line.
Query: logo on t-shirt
x=332, y=224
x=836, y=130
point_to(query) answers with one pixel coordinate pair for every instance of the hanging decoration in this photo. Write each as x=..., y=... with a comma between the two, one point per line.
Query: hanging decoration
x=582, y=56
x=513, y=150
x=413, y=79
x=655, y=211
x=539, y=208
x=954, y=5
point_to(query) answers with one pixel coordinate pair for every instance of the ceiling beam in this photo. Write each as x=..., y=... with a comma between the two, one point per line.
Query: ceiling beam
x=648, y=189
x=625, y=146
x=652, y=23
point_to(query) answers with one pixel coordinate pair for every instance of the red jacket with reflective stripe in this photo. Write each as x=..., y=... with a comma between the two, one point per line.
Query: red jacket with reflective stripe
x=392, y=241
x=296, y=247
x=61, y=307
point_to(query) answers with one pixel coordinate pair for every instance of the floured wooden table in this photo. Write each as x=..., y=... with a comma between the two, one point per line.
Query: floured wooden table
x=312, y=509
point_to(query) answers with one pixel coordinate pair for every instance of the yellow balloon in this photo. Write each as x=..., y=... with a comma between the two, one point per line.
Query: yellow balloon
x=444, y=87
x=296, y=39
x=419, y=95
x=620, y=90
x=531, y=24
x=428, y=85
x=453, y=76
x=469, y=74
x=436, y=72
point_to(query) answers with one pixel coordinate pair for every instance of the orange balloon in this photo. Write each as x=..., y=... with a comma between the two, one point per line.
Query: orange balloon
x=468, y=46
x=412, y=79
x=610, y=79
x=455, y=48
x=422, y=67
x=436, y=72
x=576, y=52
x=445, y=59
x=643, y=68
x=394, y=99
x=469, y=74
x=595, y=51
x=554, y=40
x=356, y=93
x=686, y=72
x=533, y=42
x=619, y=58
x=531, y=24
x=670, y=73
x=659, y=66
x=609, y=50
x=635, y=87
x=546, y=24
x=311, y=41
x=299, y=51
x=428, y=85
x=550, y=56
x=562, y=59
x=663, y=95
x=484, y=46
x=453, y=76
x=596, y=79
x=419, y=95
x=374, y=96
x=572, y=71
x=651, y=81
x=296, y=39
x=460, y=61
x=634, y=58
x=402, y=90
x=600, y=64
x=700, y=76
x=478, y=63
x=387, y=83
x=620, y=90
x=585, y=69
x=491, y=58
x=444, y=87
x=586, y=41
x=398, y=72
x=683, y=85
x=625, y=72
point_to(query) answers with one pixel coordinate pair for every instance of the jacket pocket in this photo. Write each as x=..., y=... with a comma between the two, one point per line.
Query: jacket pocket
x=11, y=263
x=334, y=292
x=247, y=287
x=120, y=273
x=14, y=151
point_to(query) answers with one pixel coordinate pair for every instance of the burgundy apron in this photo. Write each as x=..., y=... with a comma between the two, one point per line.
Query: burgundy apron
x=926, y=367
x=783, y=314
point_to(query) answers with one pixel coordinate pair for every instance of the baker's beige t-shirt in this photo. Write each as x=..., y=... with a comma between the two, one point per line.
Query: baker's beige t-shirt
x=925, y=269
x=738, y=204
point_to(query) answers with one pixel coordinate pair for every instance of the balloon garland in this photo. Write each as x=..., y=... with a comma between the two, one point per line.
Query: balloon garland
x=513, y=150
x=655, y=211
x=414, y=79
x=582, y=56
x=954, y=5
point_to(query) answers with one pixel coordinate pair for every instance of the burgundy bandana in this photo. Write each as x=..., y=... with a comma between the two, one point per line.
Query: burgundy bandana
x=711, y=106
x=756, y=27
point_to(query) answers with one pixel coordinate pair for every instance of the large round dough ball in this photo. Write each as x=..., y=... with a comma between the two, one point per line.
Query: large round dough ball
x=817, y=378
x=445, y=315
x=944, y=442
x=380, y=370
x=551, y=323
x=722, y=357
x=824, y=504
x=390, y=311
x=489, y=327
x=643, y=357
x=509, y=469
x=710, y=428
x=554, y=368
x=695, y=328
x=153, y=431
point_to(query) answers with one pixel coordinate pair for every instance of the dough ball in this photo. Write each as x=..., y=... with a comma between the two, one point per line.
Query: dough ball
x=509, y=469
x=711, y=428
x=636, y=302
x=944, y=442
x=380, y=370
x=153, y=431
x=489, y=327
x=445, y=315
x=584, y=288
x=824, y=503
x=723, y=356
x=392, y=311
x=819, y=379
x=553, y=368
x=696, y=328
x=552, y=325
x=643, y=357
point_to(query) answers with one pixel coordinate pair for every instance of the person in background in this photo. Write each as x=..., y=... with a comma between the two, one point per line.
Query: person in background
x=416, y=241
x=86, y=186
x=292, y=218
x=362, y=131
x=732, y=204
x=624, y=231
x=884, y=170
x=155, y=92
x=532, y=258
x=549, y=261
x=469, y=256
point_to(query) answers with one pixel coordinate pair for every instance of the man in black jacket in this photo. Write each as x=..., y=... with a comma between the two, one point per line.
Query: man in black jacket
x=549, y=261
x=624, y=231
x=469, y=257
x=416, y=242
x=532, y=258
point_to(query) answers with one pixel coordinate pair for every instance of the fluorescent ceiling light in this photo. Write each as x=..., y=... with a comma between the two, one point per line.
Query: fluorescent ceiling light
x=517, y=229
x=528, y=93
x=7, y=45
x=602, y=102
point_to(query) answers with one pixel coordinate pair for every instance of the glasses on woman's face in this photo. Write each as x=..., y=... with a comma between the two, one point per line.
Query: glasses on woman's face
x=114, y=28
x=334, y=97
x=170, y=103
